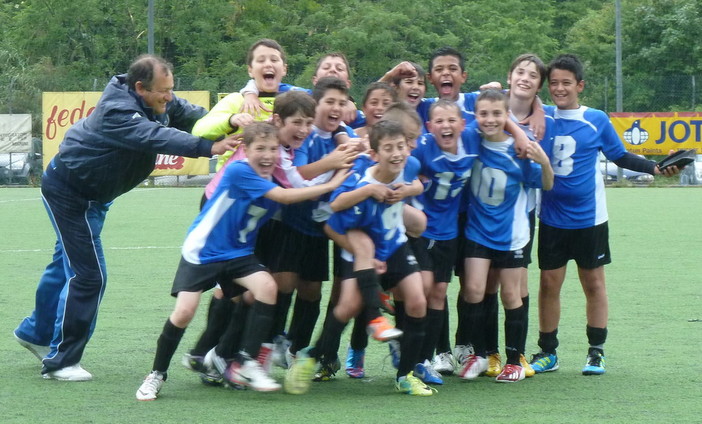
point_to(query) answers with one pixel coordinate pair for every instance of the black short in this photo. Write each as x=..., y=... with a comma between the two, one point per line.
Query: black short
x=399, y=265
x=437, y=256
x=269, y=244
x=202, y=277
x=305, y=255
x=589, y=247
x=498, y=258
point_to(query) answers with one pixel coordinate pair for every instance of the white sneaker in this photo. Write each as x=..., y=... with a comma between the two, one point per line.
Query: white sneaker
x=265, y=357
x=460, y=356
x=443, y=363
x=475, y=365
x=70, y=373
x=37, y=350
x=150, y=387
x=252, y=375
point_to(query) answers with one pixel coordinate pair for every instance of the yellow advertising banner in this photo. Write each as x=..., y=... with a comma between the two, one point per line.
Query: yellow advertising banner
x=656, y=133
x=60, y=110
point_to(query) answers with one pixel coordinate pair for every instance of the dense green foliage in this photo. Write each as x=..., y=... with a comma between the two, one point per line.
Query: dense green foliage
x=64, y=45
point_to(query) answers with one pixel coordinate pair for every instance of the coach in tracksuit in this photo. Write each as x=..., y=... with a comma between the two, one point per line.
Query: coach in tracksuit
x=101, y=157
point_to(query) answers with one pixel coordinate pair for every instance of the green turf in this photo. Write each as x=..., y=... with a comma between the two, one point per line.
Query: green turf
x=654, y=333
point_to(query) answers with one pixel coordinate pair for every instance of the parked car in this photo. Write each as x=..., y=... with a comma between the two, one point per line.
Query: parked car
x=21, y=168
x=610, y=172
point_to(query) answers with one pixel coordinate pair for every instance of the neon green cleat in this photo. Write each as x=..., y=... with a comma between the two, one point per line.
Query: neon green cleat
x=299, y=376
x=411, y=385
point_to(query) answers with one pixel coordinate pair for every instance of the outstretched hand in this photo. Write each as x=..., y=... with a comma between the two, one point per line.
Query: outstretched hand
x=229, y=143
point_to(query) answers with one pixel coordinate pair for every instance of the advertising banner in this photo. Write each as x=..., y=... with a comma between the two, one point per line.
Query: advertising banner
x=60, y=110
x=15, y=133
x=656, y=133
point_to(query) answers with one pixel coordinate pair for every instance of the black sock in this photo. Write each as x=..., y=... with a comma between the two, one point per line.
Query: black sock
x=525, y=322
x=282, y=306
x=166, y=346
x=400, y=314
x=548, y=342
x=258, y=325
x=359, y=337
x=217, y=319
x=230, y=341
x=513, y=333
x=461, y=335
x=410, y=344
x=491, y=323
x=327, y=347
x=443, y=344
x=474, y=325
x=309, y=313
x=597, y=338
x=434, y=322
x=367, y=281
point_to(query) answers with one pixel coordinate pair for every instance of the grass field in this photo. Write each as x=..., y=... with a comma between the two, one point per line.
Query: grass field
x=653, y=350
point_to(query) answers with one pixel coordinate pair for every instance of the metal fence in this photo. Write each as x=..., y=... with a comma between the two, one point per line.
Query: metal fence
x=653, y=93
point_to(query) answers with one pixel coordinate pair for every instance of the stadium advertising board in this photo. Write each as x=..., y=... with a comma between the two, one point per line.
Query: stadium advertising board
x=15, y=133
x=60, y=110
x=656, y=133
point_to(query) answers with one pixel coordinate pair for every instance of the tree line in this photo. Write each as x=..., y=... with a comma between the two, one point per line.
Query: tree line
x=64, y=45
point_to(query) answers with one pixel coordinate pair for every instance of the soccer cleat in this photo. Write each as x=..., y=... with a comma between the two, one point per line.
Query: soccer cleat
x=381, y=330
x=300, y=374
x=595, y=364
x=528, y=370
x=37, y=350
x=194, y=363
x=280, y=351
x=475, y=365
x=265, y=357
x=250, y=374
x=354, y=363
x=494, y=365
x=460, y=356
x=151, y=386
x=386, y=303
x=394, y=347
x=427, y=374
x=411, y=385
x=443, y=363
x=327, y=371
x=214, y=368
x=70, y=373
x=510, y=374
x=544, y=362
x=214, y=361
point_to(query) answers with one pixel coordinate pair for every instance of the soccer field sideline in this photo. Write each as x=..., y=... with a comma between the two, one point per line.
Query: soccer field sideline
x=653, y=336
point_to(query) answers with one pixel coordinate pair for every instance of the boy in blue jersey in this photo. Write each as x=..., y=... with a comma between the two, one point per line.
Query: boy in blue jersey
x=377, y=211
x=446, y=162
x=306, y=262
x=498, y=230
x=573, y=217
x=293, y=115
x=525, y=77
x=219, y=248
